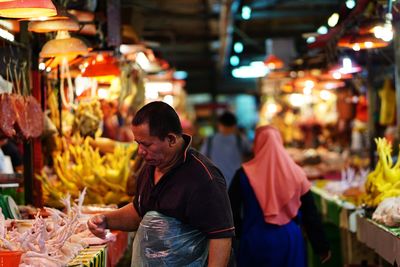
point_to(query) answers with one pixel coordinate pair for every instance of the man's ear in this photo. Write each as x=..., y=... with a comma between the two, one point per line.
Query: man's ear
x=172, y=139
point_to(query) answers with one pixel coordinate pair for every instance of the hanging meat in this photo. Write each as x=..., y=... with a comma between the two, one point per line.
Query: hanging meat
x=22, y=123
x=35, y=116
x=7, y=115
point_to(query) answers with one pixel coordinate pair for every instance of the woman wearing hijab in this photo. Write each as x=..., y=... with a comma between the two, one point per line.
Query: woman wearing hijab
x=271, y=201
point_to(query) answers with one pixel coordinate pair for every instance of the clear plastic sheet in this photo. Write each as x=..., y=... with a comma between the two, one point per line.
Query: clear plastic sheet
x=165, y=241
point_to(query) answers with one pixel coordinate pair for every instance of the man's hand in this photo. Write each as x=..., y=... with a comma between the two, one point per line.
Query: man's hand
x=97, y=225
x=220, y=251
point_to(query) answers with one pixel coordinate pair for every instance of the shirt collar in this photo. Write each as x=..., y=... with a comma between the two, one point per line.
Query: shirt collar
x=188, y=142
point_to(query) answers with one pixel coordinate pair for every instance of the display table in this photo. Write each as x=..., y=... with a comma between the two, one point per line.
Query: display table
x=339, y=219
x=383, y=240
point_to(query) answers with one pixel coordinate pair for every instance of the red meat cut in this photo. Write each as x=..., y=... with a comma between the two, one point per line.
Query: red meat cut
x=7, y=115
x=22, y=117
x=35, y=117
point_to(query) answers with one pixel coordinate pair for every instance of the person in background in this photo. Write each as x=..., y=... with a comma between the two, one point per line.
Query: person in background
x=274, y=195
x=227, y=148
x=10, y=149
x=176, y=182
x=110, y=119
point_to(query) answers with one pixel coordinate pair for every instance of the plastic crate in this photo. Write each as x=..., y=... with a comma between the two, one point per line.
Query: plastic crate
x=10, y=258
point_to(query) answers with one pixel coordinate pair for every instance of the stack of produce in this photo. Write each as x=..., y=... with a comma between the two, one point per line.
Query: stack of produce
x=88, y=116
x=79, y=165
x=384, y=181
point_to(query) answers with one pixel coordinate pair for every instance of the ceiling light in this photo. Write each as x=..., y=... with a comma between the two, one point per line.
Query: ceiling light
x=234, y=60
x=311, y=39
x=20, y=9
x=250, y=72
x=347, y=66
x=238, y=47
x=350, y=4
x=322, y=30
x=246, y=12
x=333, y=20
x=180, y=75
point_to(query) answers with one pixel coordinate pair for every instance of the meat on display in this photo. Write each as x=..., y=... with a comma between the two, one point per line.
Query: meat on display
x=8, y=115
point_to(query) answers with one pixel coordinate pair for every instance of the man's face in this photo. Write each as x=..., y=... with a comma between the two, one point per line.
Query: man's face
x=154, y=151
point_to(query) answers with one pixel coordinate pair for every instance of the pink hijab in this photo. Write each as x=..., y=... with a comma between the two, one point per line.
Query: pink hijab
x=277, y=181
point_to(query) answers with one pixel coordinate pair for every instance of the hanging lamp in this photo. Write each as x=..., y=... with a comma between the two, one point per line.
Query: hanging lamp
x=86, y=20
x=69, y=25
x=359, y=42
x=104, y=68
x=64, y=45
x=347, y=66
x=273, y=62
x=20, y=9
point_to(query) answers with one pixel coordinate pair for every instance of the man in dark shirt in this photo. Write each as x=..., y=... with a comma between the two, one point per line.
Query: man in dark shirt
x=176, y=181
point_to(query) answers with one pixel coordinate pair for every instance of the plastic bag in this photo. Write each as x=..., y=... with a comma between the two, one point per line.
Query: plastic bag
x=165, y=241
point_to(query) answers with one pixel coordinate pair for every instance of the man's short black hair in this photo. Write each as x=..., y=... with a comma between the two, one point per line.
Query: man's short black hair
x=161, y=117
x=227, y=118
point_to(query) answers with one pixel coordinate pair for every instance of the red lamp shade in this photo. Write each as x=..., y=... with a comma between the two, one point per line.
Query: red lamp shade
x=20, y=9
x=273, y=62
x=102, y=67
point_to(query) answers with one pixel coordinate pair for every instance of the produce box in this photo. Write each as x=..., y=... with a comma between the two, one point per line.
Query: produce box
x=93, y=256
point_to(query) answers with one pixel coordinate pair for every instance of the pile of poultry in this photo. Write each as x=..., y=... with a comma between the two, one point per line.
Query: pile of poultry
x=52, y=241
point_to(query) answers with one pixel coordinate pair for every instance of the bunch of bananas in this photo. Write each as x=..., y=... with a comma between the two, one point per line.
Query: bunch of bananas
x=79, y=165
x=384, y=181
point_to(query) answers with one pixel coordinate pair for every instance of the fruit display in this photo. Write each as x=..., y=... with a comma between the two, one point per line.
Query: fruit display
x=88, y=116
x=78, y=165
x=384, y=181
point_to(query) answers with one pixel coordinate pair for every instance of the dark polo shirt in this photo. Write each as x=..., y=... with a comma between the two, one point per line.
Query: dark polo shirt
x=193, y=191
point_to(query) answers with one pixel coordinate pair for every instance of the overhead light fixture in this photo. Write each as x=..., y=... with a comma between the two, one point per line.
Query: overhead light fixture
x=358, y=42
x=85, y=18
x=20, y=9
x=333, y=20
x=103, y=68
x=273, y=62
x=322, y=30
x=311, y=39
x=53, y=26
x=180, y=75
x=64, y=45
x=238, y=47
x=246, y=12
x=350, y=4
x=252, y=71
x=346, y=67
x=234, y=60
